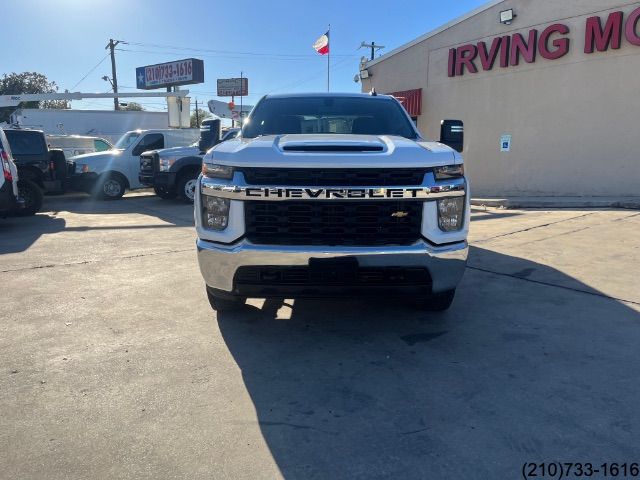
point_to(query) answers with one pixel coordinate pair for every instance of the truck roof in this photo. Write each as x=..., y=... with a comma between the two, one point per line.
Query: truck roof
x=326, y=94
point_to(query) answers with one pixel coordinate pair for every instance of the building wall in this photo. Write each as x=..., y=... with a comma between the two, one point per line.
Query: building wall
x=574, y=121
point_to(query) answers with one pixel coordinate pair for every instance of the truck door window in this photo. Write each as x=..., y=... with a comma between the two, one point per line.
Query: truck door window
x=101, y=145
x=151, y=141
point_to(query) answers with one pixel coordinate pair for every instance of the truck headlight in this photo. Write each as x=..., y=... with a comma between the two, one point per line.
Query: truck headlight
x=165, y=164
x=212, y=170
x=216, y=212
x=450, y=214
x=449, y=171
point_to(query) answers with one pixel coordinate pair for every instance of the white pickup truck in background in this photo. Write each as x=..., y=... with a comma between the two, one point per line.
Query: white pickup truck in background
x=111, y=173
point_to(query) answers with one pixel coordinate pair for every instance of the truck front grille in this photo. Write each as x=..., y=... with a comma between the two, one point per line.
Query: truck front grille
x=331, y=177
x=331, y=274
x=333, y=223
x=147, y=163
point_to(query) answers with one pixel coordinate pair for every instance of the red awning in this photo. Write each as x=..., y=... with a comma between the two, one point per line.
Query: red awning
x=411, y=100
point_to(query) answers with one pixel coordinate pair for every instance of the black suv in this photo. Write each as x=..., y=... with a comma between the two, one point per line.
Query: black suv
x=40, y=170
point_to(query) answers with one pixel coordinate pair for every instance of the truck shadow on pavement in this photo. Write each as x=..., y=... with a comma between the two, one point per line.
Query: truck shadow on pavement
x=518, y=370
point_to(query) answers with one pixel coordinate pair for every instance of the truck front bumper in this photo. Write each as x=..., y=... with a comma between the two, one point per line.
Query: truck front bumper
x=219, y=263
x=84, y=182
x=159, y=179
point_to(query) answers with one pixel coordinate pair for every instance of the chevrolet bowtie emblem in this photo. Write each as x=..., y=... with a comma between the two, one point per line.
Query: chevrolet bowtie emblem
x=400, y=214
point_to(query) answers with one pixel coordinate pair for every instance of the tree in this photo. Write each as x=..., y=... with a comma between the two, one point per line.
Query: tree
x=133, y=107
x=202, y=114
x=28, y=82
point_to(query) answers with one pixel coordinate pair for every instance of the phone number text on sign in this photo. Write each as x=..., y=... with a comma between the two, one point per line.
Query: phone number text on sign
x=169, y=72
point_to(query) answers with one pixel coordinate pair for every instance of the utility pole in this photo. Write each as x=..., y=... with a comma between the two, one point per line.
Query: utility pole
x=373, y=48
x=112, y=47
x=197, y=116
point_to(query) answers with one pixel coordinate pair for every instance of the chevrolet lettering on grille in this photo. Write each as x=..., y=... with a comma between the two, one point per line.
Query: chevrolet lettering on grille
x=235, y=192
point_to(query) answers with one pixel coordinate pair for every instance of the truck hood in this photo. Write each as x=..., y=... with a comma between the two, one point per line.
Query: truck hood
x=331, y=151
x=178, y=152
x=96, y=156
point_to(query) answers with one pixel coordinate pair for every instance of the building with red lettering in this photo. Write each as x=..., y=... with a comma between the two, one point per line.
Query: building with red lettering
x=548, y=90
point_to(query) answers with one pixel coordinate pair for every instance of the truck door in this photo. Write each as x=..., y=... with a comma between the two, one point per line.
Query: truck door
x=150, y=141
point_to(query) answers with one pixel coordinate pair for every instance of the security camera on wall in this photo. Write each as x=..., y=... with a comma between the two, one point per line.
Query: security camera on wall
x=356, y=78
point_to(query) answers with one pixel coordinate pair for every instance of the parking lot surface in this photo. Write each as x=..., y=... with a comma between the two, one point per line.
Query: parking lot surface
x=114, y=365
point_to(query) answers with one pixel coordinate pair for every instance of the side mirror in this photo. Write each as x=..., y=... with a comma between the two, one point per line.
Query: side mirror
x=452, y=134
x=209, y=134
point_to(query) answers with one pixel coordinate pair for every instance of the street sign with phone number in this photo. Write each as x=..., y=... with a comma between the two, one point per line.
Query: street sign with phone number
x=180, y=72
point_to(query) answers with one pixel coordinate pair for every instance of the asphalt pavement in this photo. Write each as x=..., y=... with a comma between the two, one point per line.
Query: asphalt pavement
x=113, y=365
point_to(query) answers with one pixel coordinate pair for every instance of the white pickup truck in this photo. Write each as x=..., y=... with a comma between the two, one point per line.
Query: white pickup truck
x=331, y=195
x=110, y=173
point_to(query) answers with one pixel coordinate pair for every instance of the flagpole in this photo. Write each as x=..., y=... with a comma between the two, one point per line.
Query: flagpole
x=328, y=56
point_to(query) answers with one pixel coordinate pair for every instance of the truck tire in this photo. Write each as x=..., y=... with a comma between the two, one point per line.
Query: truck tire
x=438, y=302
x=32, y=196
x=226, y=303
x=111, y=186
x=186, y=188
x=165, y=193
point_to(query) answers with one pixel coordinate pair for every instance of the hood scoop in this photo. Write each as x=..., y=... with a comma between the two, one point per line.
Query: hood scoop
x=331, y=144
x=333, y=148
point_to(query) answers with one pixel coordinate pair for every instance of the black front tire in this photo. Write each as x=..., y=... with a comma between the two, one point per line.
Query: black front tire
x=32, y=196
x=437, y=302
x=186, y=187
x=165, y=193
x=225, y=303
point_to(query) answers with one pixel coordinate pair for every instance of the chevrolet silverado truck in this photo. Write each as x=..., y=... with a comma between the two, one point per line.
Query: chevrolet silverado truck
x=331, y=195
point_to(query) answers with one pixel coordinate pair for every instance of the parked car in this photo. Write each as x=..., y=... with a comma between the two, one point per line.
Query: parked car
x=110, y=174
x=174, y=171
x=73, y=145
x=331, y=195
x=41, y=170
x=9, y=202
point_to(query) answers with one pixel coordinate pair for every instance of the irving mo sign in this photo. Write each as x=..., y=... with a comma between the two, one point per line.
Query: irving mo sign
x=552, y=43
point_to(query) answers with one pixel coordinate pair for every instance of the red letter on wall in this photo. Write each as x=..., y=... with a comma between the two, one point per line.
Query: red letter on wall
x=630, y=30
x=596, y=37
x=526, y=49
x=452, y=62
x=504, y=52
x=487, y=59
x=465, y=57
x=561, y=44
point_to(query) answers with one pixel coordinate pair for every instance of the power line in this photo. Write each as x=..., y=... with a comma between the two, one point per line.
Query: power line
x=227, y=52
x=90, y=71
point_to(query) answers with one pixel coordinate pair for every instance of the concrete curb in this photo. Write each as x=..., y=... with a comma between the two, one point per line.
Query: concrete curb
x=632, y=203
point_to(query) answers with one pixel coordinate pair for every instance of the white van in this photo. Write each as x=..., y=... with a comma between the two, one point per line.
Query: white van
x=109, y=174
x=73, y=145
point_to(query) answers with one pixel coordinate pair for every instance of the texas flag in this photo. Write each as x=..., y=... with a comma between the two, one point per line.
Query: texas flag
x=322, y=44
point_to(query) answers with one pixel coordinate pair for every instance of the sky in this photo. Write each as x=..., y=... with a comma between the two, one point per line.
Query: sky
x=270, y=42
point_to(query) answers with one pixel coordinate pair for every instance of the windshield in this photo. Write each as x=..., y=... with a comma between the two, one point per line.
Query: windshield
x=336, y=115
x=127, y=140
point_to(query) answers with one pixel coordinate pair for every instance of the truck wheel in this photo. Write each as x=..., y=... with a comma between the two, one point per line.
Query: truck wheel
x=438, y=302
x=187, y=185
x=111, y=187
x=225, y=304
x=165, y=193
x=32, y=196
